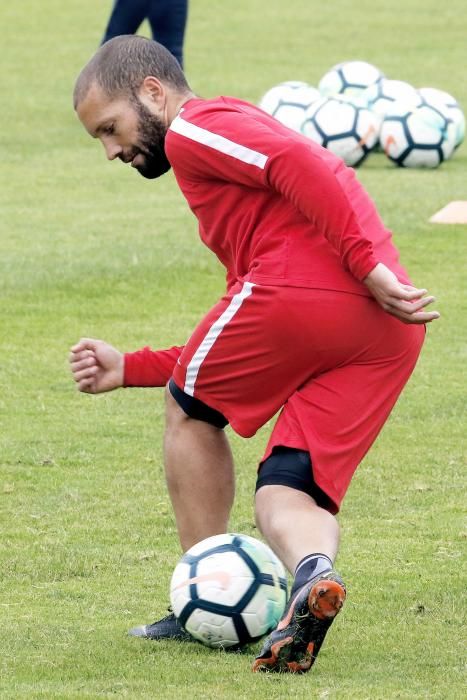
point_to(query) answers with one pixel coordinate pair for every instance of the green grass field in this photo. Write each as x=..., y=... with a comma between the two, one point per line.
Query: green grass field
x=89, y=248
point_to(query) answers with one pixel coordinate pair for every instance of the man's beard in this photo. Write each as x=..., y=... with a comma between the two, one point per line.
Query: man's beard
x=151, y=138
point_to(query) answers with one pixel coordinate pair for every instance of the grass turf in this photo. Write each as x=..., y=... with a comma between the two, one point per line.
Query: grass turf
x=87, y=248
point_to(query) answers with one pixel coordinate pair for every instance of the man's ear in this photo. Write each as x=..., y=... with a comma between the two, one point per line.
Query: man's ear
x=152, y=90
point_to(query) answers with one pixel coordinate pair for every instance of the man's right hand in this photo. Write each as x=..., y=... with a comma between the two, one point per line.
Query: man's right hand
x=96, y=366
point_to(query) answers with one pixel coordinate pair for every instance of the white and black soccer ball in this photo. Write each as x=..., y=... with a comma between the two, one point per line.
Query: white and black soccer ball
x=288, y=101
x=349, y=78
x=449, y=106
x=228, y=590
x=381, y=96
x=417, y=137
x=342, y=127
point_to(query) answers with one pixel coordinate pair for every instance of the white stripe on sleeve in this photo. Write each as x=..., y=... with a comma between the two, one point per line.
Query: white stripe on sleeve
x=212, y=335
x=218, y=143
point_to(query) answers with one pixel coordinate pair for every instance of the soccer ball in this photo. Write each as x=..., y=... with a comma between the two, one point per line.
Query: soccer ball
x=349, y=78
x=288, y=101
x=342, y=127
x=228, y=590
x=417, y=137
x=448, y=106
x=381, y=96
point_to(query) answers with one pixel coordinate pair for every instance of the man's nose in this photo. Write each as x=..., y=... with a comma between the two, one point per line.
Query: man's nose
x=112, y=150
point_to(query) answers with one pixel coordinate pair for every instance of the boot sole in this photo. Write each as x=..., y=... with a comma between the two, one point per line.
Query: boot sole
x=325, y=600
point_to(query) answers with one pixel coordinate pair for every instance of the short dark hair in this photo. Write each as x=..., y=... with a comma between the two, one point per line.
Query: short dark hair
x=121, y=65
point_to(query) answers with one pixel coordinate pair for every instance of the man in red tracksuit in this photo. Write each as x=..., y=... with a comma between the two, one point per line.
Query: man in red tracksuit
x=319, y=321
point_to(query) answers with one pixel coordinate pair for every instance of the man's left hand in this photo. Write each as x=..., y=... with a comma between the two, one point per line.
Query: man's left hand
x=401, y=300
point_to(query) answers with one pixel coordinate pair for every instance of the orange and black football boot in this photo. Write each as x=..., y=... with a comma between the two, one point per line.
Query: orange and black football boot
x=294, y=645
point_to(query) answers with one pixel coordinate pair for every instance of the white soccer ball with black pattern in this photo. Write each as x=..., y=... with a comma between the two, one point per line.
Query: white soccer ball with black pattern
x=228, y=590
x=346, y=129
x=349, y=78
x=381, y=96
x=417, y=137
x=287, y=102
x=448, y=106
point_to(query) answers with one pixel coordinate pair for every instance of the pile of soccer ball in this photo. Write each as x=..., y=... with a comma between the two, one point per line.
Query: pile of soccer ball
x=356, y=108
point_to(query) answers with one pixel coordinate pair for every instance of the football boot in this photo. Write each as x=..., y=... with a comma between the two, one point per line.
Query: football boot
x=294, y=645
x=166, y=628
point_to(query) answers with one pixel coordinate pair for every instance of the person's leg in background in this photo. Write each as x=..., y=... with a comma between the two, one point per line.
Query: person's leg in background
x=168, y=20
x=126, y=18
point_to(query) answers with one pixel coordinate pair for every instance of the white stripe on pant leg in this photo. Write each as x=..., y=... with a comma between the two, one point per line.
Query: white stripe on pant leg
x=212, y=335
